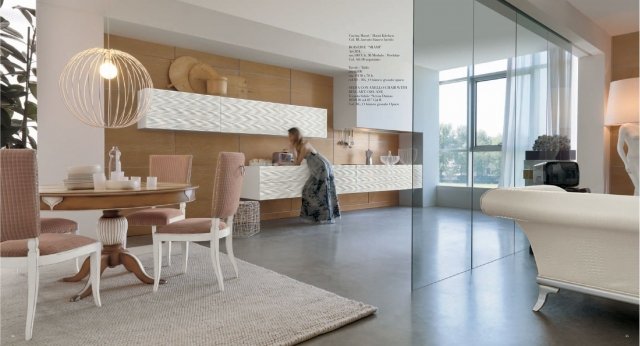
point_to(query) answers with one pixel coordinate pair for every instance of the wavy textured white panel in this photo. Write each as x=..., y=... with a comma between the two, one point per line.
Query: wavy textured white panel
x=384, y=178
x=417, y=176
x=175, y=110
x=283, y=173
x=268, y=182
x=346, y=178
x=257, y=117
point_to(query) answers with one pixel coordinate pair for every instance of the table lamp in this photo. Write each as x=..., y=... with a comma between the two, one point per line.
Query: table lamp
x=622, y=109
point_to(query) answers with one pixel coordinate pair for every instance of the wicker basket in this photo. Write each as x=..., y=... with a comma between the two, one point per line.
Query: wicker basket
x=246, y=222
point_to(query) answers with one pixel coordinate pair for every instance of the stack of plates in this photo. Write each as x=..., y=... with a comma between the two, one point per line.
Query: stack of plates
x=81, y=177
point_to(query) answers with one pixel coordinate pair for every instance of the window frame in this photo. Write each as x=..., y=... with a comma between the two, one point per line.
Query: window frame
x=472, y=146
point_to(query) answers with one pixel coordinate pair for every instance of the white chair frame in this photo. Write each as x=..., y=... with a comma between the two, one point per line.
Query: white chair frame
x=185, y=245
x=213, y=236
x=33, y=261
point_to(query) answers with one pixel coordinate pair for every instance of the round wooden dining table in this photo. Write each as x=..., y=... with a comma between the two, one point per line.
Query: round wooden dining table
x=112, y=225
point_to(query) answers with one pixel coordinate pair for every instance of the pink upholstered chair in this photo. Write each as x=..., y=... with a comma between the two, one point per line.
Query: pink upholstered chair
x=168, y=169
x=59, y=225
x=226, y=198
x=21, y=243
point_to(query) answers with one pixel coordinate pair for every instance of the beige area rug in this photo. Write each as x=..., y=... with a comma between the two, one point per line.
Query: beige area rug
x=261, y=307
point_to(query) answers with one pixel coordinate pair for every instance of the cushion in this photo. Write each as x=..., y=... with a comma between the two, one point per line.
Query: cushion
x=189, y=226
x=50, y=243
x=153, y=217
x=57, y=225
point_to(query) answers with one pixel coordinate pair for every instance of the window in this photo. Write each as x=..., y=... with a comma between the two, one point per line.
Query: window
x=453, y=129
x=471, y=124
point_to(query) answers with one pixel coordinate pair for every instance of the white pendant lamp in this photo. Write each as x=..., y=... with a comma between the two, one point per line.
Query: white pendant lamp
x=106, y=88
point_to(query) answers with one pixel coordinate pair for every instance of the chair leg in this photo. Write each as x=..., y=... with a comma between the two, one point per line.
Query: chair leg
x=543, y=291
x=229, y=246
x=185, y=255
x=215, y=258
x=77, y=258
x=95, y=260
x=169, y=254
x=33, y=276
x=157, y=262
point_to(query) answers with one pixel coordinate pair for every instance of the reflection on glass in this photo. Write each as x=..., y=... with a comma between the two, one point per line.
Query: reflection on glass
x=453, y=167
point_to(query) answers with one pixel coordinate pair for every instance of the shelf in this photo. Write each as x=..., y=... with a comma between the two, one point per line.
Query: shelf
x=181, y=111
x=275, y=182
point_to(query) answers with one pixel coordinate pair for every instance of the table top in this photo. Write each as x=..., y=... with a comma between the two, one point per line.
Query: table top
x=58, y=197
x=62, y=191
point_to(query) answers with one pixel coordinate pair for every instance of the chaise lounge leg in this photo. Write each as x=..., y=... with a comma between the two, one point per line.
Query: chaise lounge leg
x=543, y=291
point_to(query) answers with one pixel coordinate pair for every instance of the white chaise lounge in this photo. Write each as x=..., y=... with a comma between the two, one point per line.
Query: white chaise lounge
x=582, y=242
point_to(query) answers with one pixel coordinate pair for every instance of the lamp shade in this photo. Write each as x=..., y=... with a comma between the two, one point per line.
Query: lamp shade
x=106, y=88
x=622, y=107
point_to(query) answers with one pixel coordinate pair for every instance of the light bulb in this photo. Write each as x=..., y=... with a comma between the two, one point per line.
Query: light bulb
x=108, y=70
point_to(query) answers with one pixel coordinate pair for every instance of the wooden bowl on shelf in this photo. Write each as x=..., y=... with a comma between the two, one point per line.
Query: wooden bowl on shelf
x=199, y=74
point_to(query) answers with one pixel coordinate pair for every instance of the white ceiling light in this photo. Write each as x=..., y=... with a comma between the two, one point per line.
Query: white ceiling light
x=106, y=88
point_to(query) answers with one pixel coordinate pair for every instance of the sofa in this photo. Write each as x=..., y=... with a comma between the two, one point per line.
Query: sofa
x=582, y=242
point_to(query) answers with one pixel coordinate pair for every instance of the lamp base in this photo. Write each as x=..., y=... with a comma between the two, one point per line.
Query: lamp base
x=629, y=136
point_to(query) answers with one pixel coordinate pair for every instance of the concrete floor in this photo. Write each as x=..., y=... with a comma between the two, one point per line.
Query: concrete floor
x=366, y=256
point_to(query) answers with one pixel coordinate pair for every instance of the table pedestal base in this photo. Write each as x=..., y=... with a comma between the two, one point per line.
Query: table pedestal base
x=112, y=256
x=112, y=232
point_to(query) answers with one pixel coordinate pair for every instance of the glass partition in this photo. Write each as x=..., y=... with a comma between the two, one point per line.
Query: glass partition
x=488, y=81
x=443, y=52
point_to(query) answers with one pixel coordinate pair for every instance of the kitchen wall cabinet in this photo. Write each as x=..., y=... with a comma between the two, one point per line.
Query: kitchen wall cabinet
x=181, y=111
x=275, y=182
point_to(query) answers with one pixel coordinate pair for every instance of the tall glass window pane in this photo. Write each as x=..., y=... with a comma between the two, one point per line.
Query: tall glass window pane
x=453, y=133
x=490, y=106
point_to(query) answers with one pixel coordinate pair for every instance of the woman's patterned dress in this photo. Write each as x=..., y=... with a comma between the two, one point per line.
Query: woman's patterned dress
x=319, y=197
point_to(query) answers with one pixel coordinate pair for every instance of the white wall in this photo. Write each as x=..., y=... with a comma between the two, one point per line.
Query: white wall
x=591, y=132
x=62, y=140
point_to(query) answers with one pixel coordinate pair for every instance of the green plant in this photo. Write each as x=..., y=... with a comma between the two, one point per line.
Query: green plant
x=18, y=81
x=552, y=143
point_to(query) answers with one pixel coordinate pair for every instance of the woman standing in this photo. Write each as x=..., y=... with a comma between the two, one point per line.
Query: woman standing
x=319, y=198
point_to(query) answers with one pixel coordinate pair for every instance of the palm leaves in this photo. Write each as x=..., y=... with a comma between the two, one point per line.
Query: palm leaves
x=17, y=81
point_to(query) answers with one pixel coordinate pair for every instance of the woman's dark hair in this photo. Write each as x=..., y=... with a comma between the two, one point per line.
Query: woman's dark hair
x=297, y=135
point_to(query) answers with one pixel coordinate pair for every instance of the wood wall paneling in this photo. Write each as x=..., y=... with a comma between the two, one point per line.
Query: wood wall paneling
x=624, y=64
x=265, y=83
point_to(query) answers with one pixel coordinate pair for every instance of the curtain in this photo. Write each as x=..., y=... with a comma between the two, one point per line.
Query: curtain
x=538, y=102
x=525, y=116
x=559, y=105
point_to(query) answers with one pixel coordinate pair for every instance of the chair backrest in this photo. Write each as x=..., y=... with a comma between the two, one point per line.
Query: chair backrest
x=171, y=168
x=19, y=199
x=227, y=184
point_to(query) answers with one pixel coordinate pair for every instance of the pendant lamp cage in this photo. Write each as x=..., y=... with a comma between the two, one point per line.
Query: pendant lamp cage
x=106, y=88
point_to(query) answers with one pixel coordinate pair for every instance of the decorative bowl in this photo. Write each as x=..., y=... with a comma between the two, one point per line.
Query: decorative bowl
x=408, y=155
x=389, y=159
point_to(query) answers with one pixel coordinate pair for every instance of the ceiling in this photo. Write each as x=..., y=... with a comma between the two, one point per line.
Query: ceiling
x=616, y=17
x=304, y=34
x=330, y=20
